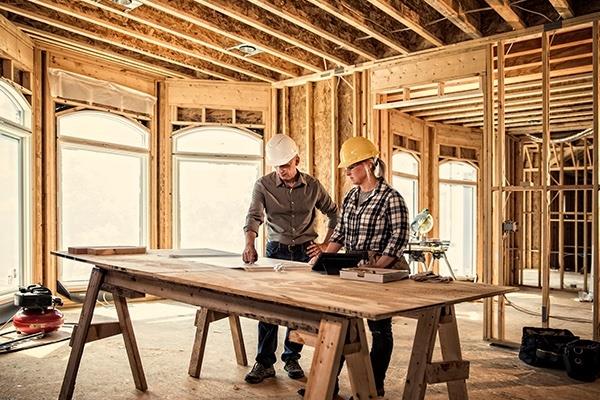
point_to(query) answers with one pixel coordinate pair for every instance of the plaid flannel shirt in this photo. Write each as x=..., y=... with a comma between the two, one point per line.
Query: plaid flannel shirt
x=380, y=224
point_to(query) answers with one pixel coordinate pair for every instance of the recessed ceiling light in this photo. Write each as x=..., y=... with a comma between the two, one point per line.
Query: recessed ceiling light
x=247, y=49
x=130, y=4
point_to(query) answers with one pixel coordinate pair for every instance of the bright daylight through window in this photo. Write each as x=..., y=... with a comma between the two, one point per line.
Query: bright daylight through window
x=103, y=184
x=15, y=163
x=458, y=215
x=215, y=169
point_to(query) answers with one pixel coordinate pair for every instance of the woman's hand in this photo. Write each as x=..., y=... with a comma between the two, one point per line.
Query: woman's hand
x=314, y=249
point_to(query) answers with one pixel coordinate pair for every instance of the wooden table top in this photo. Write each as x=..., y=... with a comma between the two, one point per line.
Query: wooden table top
x=302, y=289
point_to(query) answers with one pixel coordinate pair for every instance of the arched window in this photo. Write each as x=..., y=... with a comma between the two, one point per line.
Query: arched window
x=215, y=169
x=15, y=201
x=405, y=179
x=103, y=163
x=458, y=214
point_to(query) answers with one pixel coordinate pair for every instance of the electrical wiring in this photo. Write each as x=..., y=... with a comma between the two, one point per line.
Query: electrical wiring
x=536, y=314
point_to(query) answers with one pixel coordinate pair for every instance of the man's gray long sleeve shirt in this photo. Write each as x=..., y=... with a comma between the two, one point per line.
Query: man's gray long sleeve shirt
x=290, y=212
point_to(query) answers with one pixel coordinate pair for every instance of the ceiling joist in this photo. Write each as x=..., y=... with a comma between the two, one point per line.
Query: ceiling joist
x=171, y=25
x=224, y=67
x=363, y=21
x=408, y=17
x=453, y=10
x=563, y=8
x=503, y=8
x=306, y=16
x=103, y=35
x=206, y=18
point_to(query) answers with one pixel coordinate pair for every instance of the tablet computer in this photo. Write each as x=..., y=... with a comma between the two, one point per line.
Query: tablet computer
x=332, y=263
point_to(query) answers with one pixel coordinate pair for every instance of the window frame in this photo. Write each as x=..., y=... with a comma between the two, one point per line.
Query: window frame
x=64, y=142
x=472, y=183
x=178, y=156
x=410, y=176
x=22, y=134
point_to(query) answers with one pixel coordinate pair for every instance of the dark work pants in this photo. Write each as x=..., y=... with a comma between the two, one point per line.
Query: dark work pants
x=267, y=333
x=381, y=349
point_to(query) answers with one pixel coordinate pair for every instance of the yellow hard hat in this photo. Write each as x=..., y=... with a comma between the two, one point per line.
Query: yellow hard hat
x=356, y=149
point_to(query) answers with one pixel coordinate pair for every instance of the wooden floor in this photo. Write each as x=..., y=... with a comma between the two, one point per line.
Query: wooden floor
x=165, y=333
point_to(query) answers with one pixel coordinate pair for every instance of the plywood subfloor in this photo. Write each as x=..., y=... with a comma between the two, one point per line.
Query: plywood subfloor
x=165, y=333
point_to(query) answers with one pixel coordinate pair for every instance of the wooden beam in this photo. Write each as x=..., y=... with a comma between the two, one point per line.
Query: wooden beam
x=545, y=181
x=15, y=44
x=487, y=171
x=95, y=51
x=455, y=12
x=499, y=197
x=310, y=128
x=596, y=185
x=362, y=21
x=169, y=24
x=563, y=7
x=408, y=17
x=509, y=37
x=278, y=27
x=503, y=8
x=214, y=64
x=298, y=15
x=120, y=41
x=209, y=19
x=335, y=145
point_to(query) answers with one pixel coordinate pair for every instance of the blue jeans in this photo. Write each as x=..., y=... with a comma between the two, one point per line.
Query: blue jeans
x=267, y=333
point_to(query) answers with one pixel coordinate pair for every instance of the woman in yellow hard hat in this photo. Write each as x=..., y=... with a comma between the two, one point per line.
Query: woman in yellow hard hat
x=374, y=220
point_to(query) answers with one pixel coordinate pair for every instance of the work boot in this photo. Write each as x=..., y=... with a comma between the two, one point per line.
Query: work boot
x=293, y=369
x=259, y=373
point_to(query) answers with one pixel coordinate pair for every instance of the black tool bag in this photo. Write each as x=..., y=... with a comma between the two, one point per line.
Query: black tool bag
x=582, y=360
x=543, y=347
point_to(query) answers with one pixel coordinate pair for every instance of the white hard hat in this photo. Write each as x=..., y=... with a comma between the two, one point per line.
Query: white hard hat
x=280, y=150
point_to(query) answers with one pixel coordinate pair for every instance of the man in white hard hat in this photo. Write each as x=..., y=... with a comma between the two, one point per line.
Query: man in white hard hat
x=289, y=199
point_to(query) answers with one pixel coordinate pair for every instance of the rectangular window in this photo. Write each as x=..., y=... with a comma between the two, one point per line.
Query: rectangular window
x=12, y=238
x=103, y=201
x=458, y=210
x=212, y=201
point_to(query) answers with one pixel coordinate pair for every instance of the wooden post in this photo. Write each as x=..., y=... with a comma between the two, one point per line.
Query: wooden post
x=356, y=104
x=488, y=134
x=364, y=104
x=561, y=217
x=285, y=111
x=585, y=216
x=499, y=172
x=596, y=186
x=274, y=122
x=544, y=176
x=50, y=181
x=37, y=179
x=165, y=167
x=335, y=145
x=310, y=128
x=386, y=141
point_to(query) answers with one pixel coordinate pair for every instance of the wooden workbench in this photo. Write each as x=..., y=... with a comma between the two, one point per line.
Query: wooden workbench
x=326, y=311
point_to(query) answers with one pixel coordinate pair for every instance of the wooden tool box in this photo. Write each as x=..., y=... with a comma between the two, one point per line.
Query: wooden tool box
x=377, y=275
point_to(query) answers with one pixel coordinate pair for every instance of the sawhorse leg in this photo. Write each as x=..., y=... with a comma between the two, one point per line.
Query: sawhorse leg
x=422, y=371
x=85, y=332
x=337, y=337
x=204, y=317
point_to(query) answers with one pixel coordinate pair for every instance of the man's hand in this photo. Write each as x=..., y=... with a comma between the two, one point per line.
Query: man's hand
x=249, y=255
x=314, y=249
